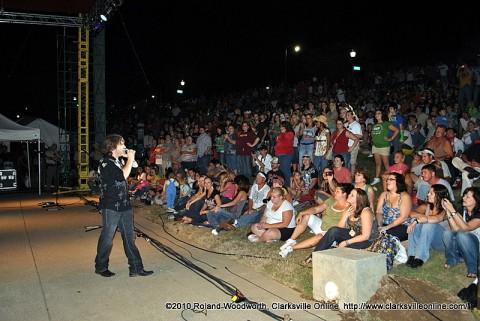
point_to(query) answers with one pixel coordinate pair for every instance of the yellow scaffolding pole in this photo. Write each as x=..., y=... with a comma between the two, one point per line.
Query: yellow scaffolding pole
x=83, y=107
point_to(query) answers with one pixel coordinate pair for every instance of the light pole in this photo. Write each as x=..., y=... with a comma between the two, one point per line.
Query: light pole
x=296, y=49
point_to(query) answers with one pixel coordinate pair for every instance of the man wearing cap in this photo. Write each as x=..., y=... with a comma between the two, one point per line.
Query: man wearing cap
x=430, y=178
x=262, y=161
x=256, y=206
x=275, y=171
x=355, y=128
x=469, y=166
x=428, y=157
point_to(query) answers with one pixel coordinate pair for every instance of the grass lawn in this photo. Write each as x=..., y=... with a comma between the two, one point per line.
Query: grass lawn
x=265, y=258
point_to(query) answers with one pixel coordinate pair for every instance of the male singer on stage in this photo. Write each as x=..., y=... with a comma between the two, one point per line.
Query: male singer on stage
x=115, y=207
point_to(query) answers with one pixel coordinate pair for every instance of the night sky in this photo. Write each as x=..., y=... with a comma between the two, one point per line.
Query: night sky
x=223, y=46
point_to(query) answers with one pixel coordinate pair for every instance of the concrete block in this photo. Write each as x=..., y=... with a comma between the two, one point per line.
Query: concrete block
x=356, y=274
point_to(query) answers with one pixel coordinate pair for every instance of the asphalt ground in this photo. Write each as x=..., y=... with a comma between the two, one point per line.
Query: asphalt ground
x=47, y=273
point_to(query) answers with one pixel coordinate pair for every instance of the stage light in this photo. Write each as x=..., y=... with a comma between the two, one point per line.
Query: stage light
x=104, y=16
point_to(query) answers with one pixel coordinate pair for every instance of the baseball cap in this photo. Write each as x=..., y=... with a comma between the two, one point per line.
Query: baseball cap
x=275, y=160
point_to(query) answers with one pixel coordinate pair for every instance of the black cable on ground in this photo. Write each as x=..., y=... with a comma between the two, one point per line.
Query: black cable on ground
x=258, y=286
x=215, y=252
x=220, y=284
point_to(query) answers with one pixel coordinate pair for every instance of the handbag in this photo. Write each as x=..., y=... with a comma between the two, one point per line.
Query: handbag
x=329, y=154
x=386, y=244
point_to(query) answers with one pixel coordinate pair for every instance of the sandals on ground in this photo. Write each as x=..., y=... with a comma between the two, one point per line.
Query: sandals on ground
x=472, y=275
x=307, y=261
x=447, y=266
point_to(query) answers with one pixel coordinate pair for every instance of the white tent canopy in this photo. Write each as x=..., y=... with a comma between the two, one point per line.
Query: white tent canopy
x=11, y=131
x=50, y=133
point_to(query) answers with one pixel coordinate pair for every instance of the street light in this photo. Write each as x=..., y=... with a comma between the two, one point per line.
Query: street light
x=353, y=53
x=296, y=49
x=182, y=83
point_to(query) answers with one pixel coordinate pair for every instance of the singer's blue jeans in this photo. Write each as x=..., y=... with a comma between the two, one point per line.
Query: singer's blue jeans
x=111, y=220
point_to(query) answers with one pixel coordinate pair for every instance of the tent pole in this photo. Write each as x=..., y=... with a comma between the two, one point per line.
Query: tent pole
x=39, y=172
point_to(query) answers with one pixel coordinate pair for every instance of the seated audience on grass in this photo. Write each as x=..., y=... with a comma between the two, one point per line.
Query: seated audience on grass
x=195, y=202
x=425, y=230
x=262, y=161
x=275, y=171
x=393, y=208
x=429, y=178
x=278, y=220
x=184, y=189
x=212, y=199
x=361, y=179
x=356, y=229
x=296, y=185
x=226, y=187
x=462, y=240
x=400, y=167
x=327, y=186
x=310, y=177
x=469, y=166
x=258, y=193
x=319, y=219
x=230, y=210
x=340, y=172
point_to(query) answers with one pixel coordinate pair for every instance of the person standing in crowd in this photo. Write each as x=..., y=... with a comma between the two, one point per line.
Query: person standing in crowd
x=308, y=138
x=396, y=120
x=284, y=150
x=381, y=142
x=322, y=142
x=52, y=160
x=297, y=126
x=354, y=127
x=189, y=154
x=204, y=148
x=246, y=142
x=340, y=139
x=230, y=148
x=115, y=208
x=465, y=78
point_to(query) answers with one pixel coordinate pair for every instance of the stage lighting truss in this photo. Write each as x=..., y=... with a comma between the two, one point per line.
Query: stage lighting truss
x=100, y=12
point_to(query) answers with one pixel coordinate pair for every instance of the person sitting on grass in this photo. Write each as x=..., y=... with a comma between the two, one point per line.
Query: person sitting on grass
x=361, y=179
x=296, y=184
x=231, y=210
x=393, y=208
x=400, y=167
x=212, y=199
x=356, y=229
x=425, y=230
x=330, y=210
x=278, y=220
x=462, y=240
x=327, y=186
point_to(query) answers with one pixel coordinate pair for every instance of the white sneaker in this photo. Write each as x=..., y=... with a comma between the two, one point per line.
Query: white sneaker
x=170, y=210
x=214, y=231
x=253, y=238
x=284, y=253
x=288, y=242
x=371, y=155
x=376, y=180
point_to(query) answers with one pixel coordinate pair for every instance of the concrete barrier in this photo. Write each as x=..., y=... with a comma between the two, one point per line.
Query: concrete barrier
x=346, y=275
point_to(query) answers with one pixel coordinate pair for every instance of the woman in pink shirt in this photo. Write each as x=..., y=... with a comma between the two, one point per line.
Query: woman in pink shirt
x=340, y=172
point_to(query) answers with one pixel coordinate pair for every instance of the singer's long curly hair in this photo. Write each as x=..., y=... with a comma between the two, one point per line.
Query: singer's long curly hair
x=111, y=142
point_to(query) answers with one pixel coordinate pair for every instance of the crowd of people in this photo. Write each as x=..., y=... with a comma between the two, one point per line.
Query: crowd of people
x=284, y=161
